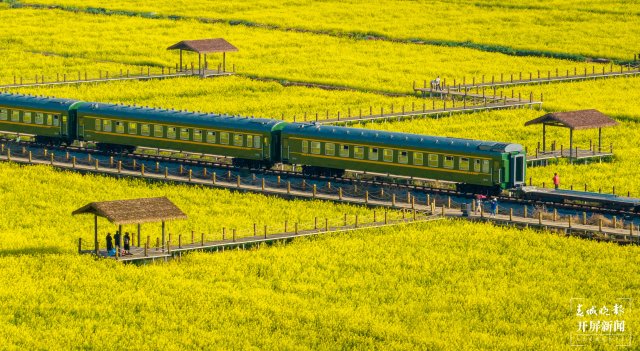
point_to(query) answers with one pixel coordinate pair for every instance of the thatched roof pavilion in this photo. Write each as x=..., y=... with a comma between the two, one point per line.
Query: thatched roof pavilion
x=135, y=211
x=574, y=120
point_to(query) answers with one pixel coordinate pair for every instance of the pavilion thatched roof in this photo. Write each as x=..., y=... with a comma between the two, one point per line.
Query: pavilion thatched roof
x=204, y=46
x=583, y=119
x=155, y=209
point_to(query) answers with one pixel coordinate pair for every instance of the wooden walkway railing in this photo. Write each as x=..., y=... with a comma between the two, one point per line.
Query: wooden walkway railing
x=614, y=231
x=458, y=102
x=538, y=77
x=146, y=250
x=106, y=76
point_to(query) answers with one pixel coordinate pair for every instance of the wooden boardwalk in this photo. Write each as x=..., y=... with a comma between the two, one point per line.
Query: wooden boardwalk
x=542, y=158
x=480, y=104
x=145, y=252
x=164, y=252
x=40, y=81
x=284, y=189
x=542, y=77
x=598, y=232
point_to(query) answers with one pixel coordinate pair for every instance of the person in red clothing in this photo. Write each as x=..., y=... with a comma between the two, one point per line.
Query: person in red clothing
x=556, y=180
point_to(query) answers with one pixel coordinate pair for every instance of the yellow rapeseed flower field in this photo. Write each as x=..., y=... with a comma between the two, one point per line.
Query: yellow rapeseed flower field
x=445, y=285
x=264, y=53
x=545, y=27
x=441, y=285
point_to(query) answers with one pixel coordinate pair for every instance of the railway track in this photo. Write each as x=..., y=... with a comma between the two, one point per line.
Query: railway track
x=356, y=184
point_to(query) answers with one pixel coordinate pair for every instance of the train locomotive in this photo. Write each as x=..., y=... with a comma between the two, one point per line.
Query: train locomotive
x=474, y=165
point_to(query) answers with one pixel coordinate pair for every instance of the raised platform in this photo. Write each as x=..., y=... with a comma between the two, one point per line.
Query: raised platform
x=542, y=158
x=575, y=196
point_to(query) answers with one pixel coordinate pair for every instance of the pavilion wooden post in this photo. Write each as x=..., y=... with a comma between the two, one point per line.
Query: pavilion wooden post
x=180, y=60
x=200, y=64
x=95, y=225
x=138, y=234
x=599, y=140
x=121, y=237
x=544, y=137
x=163, y=228
x=570, y=144
x=224, y=61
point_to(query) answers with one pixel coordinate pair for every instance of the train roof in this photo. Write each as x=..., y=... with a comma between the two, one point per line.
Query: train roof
x=400, y=140
x=36, y=102
x=159, y=115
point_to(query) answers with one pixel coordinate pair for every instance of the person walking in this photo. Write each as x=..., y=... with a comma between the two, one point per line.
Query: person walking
x=494, y=207
x=437, y=81
x=126, y=241
x=479, y=199
x=556, y=180
x=109, y=245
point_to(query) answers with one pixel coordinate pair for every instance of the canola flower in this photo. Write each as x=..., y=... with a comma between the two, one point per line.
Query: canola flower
x=572, y=28
x=264, y=53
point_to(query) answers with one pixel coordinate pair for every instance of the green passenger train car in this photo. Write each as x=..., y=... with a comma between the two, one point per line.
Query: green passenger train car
x=48, y=119
x=249, y=141
x=471, y=163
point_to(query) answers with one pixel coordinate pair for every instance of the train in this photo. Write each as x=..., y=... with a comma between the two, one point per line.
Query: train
x=473, y=165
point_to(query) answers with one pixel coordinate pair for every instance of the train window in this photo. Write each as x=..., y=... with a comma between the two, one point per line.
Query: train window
x=145, y=129
x=387, y=155
x=48, y=119
x=330, y=149
x=171, y=132
x=373, y=154
x=119, y=127
x=106, y=125
x=4, y=115
x=158, y=131
x=56, y=120
x=238, y=140
x=417, y=159
x=257, y=143
x=476, y=165
x=197, y=135
x=97, y=124
x=485, y=166
x=39, y=118
x=211, y=137
x=184, y=133
x=305, y=146
x=403, y=157
x=26, y=117
x=434, y=160
x=448, y=162
x=344, y=151
x=224, y=138
x=358, y=152
x=249, y=140
x=132, y=128
x=315, y=147
x=14, y=115
x=463, y=163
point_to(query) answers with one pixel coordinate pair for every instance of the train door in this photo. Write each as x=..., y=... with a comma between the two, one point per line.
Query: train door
x=285, y=150
x=519, y=169
x=64, y=128
x=81, y=128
